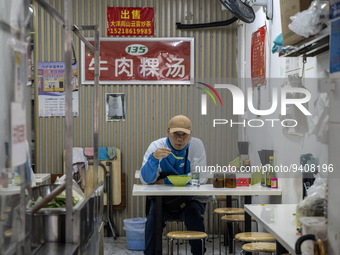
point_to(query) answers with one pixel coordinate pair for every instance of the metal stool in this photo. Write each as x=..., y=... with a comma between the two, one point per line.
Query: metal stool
x=259, y=247
x=224, y=211
x=185, y=235
x=252, y=237
x=233, y=218
x=179, y=227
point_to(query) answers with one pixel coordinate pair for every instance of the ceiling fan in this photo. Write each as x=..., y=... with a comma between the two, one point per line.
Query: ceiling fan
x=244, y=11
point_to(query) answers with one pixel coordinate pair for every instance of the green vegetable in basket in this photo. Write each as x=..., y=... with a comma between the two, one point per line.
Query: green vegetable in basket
x=58, y=202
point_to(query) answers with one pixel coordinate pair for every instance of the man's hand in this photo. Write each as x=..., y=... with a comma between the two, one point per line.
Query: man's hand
x=161, y=152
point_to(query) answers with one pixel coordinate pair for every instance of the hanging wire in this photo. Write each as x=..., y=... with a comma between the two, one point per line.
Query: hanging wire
x=205, y=25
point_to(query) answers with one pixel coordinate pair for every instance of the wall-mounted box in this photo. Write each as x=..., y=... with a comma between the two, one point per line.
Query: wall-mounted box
x=290, y=8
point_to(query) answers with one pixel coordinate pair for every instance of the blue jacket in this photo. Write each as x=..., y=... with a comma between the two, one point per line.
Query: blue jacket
x=151, y=167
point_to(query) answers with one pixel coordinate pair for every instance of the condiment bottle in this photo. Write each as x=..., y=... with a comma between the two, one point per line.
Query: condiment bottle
x=230, y=181
x=246, y=165
x=270, y=171
x=263, y=177
x=274, y=183
x=218, y=181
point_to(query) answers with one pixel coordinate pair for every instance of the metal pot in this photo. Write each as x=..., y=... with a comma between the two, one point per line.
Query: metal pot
x=48, y=224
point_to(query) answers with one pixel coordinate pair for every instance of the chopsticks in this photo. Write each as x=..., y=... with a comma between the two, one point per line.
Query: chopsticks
x=176, y=157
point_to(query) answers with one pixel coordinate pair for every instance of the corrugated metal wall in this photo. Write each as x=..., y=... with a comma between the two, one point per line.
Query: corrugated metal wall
x=149, y=107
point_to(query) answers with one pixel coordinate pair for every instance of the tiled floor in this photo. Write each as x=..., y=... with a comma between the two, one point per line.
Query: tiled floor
x=119, y=247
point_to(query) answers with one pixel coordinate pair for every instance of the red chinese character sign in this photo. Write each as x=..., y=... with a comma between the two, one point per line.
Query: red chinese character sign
x=141, y=61
x=130, y=21
x=258, y=57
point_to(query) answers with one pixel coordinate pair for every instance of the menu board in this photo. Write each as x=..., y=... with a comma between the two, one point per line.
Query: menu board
x=141, y=61
x=258, y=57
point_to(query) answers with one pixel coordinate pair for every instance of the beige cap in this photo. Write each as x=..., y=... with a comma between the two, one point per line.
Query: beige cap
x=180, y=123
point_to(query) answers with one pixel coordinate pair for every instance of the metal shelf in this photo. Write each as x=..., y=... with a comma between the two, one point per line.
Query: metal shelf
x=57, y=249
x=310, y=47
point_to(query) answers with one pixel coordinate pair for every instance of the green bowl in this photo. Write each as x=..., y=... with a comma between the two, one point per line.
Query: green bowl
x=179, y=180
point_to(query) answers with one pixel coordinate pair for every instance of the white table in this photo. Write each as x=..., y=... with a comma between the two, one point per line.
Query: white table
x=278, y=220
x=12, y=190
x=41, y=178
x=203, y=190
x=159, y=190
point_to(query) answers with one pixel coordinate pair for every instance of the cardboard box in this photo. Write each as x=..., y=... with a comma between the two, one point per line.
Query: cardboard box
x=242, y=181
x=290, y=8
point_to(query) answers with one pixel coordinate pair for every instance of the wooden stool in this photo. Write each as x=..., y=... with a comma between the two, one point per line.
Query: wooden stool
x=233, y=218
x=185, y=235
x=231, y=210
x=259, y=247
x=252, y=237
x=179, y=227
x=227, y=210
x=223, y=199
x=218, y=200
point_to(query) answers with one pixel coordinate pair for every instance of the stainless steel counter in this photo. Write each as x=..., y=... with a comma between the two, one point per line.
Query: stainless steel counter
x=58, y=249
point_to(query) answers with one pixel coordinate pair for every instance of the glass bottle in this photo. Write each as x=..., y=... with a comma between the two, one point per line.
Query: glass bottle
x=230, y=181
x=263, y=177
x=195, y=179
x=195, y=176
x=271, y=161
x=246, y=165
x=270, y=173
x=218, y=180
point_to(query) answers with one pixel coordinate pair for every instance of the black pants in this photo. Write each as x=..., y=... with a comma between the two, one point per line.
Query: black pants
x=191, y=214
